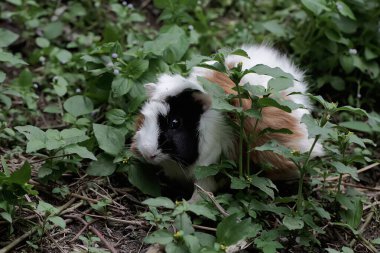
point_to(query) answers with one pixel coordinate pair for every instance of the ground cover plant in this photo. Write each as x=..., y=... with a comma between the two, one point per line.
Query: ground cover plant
x=71, y=85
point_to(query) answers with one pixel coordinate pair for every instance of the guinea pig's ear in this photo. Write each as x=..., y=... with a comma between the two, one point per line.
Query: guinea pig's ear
x=150, y=88
x=202, y=98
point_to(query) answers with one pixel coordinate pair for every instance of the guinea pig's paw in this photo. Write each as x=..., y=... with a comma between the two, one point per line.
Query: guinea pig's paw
x=155, y=248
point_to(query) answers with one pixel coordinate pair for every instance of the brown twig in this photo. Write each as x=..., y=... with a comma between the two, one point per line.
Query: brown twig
x=366, y=243
x=32, y=231
x=371, y=205
x=362, y=187
x=50, y=157
x=95, y=231
x=204, y=228
x=329, y=179
x=213, y=200
x=138, y=223
x=82, y=230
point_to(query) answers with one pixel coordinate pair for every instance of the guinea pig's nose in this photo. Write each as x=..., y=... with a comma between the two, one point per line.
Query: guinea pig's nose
x=152, y=156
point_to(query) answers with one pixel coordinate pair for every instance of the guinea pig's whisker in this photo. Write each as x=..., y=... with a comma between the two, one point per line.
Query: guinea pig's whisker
x=183, y=170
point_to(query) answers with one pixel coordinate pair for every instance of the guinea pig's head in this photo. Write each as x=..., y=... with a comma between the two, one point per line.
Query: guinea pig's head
x=171, y=117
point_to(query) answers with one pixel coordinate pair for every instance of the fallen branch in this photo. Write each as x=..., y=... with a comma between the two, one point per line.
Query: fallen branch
x=95, y=231
x=362, y=187
x=138, y=223
x=213, y=200
x=329, y=179
x=32, y=231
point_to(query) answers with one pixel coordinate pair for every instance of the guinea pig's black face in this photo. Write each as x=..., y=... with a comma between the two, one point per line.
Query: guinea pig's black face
x=178, y=129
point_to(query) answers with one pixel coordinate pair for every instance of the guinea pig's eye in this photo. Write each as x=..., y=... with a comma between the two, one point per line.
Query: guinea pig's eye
x=174, y=123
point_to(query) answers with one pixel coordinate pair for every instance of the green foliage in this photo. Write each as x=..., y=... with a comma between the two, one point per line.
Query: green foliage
x=71, y=84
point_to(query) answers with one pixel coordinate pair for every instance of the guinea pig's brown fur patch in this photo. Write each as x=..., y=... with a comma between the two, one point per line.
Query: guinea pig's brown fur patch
x=273, y=118
x=139, y=121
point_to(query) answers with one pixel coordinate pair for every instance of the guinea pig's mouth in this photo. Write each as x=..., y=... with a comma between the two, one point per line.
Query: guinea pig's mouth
x=155, y=158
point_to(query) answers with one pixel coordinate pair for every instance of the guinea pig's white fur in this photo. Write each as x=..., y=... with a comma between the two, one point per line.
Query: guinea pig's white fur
x=216, y=137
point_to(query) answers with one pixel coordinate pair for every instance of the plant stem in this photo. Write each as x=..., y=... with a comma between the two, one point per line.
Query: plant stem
x=303, y=171
x=241, y=130
x=339, y=183
x=241, y=146
x=300, y=193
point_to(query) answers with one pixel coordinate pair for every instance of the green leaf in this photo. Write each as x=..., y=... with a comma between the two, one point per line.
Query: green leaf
x=202, y=210
x=322, y=212
x=239, y=183
x=58, y=221
x=72, y=136
x=353, y=110
x=353, y=210
x=79, y=150
x=22, y=175
x=162, y=237
x=145, y=179
x=230, y=230
x=53, y=30
x=267, y=241
x=36, y=137
x=192, y=243
x=376, y=241
x=176, y=248
x=274, y=27
x=78, y=105
x=313, y=128
x=347, y=250
x=121, y=86
x=10, y=58
x=15, y=2
x=206, y=240
x=7, y=37
x=6, y=101
x=347, y=63
x=270, y=102
x=332, y=250
x=344, y=169
x=316, y=6
x=136, y=68
x=44, y=171
x=279, y=131
x=264, y=184
x=116, y=116
x=64, y=56
x=240, y=52
x=211, y=88
x=183, y=222
x=255, y=90
x=6, y=216
x=25, y=79
x=102, y=167
x=42, y=42
x=172, y=44
x=279, y=84
x=353, y=138
x=206, y=171
x=293, y=223
x=46, y=208
x=276, y=148
x=159, y=202
x=2, y=76
x=268, y=71
x=60, y=85
x=345, y=10
x=324, y=103
x=110, y=139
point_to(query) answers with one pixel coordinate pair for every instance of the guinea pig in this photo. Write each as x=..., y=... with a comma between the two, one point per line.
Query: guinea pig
x=179, y=130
